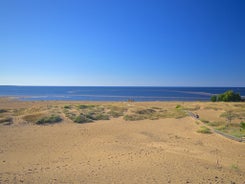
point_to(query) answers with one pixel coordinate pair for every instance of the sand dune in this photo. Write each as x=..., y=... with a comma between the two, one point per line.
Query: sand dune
x=118, y=151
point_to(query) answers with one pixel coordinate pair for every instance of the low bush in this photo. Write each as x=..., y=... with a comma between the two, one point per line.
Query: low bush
x=3, y=110
x=82, y=119
x=49, y=120
x=242, y=125
x=84, y=106
x=96, y=116
x=67, y=107
x=178, y=106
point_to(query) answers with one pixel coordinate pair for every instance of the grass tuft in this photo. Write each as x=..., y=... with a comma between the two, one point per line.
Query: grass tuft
x=204, y=130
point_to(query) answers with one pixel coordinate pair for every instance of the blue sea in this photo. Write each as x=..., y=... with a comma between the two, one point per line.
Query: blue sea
x=29, y=93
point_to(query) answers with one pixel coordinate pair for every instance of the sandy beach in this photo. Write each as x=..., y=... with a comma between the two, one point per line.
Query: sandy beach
x=161, y=150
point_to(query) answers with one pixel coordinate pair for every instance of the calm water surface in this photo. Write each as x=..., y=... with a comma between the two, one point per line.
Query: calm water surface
x=115, y=93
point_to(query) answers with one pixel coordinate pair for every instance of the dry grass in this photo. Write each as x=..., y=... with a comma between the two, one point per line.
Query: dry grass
x=33, y=118
x=204, y=130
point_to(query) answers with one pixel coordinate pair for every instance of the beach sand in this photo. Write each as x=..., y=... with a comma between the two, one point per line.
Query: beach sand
x=117, y=151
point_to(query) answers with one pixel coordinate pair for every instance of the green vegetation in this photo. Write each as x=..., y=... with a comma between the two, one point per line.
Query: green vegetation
x=178, y=106
x=67, y=107
x=96, y=116
x=49, y=120
x=84, y=106
x=86, y=113
x=242, y=125
x=3, y=110
x=236, y=130
x=82, y=119
x=90, y=117
x=228, y=96
x=190, y=108
x=235, y=167
x=204, y=130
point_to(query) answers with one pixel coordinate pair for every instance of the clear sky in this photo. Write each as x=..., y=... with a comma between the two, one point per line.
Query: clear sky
x=122, y=42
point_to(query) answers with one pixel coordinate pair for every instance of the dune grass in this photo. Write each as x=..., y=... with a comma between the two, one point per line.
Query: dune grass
x=204, y=130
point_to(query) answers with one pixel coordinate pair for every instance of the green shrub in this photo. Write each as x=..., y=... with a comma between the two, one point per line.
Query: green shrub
x=214, y=98
x=228, y=96
x=242, y=125
x=86, y=106
x=49, y=120
x=67, y=107
x=82, y=119
x=178, y=106
x=97, y=116
x=204, y=130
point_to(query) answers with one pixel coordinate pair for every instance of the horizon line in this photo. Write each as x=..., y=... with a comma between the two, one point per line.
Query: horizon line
x=120, y=86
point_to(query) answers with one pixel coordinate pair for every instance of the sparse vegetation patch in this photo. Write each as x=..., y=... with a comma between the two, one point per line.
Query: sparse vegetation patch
x=49, y=120
x=3, y=110
x=6, y=120
x=204, y=130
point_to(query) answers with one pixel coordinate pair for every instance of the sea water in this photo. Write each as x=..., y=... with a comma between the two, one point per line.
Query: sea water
x=115, y=93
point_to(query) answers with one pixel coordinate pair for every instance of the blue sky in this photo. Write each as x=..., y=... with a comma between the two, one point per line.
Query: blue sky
x=122, y=42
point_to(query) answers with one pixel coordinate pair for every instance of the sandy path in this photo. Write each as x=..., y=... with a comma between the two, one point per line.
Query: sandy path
x=115, y=151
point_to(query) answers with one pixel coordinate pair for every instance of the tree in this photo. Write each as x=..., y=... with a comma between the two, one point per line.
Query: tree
x=214, y=98
x=228, y=96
